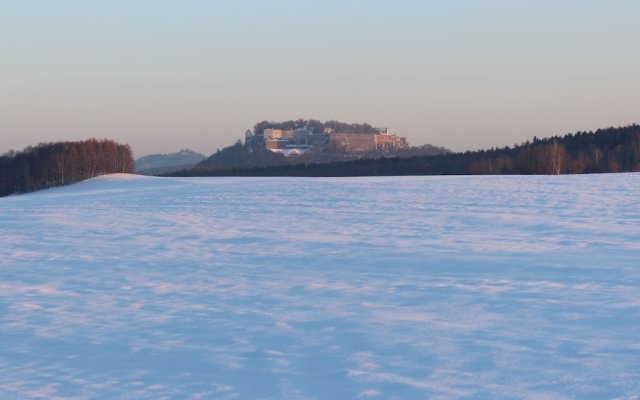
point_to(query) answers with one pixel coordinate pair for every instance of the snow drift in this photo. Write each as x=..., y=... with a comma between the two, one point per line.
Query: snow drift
x=414, y=287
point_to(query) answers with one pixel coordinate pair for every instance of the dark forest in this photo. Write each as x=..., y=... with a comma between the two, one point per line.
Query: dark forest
x=54, y=164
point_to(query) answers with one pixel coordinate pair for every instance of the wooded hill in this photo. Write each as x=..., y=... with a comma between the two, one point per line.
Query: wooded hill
x=155, y=164
x=254, y=154
x=55, y=164
x=605, y=150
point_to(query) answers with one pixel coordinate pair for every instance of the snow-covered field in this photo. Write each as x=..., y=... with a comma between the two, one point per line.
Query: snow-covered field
x=283, y=288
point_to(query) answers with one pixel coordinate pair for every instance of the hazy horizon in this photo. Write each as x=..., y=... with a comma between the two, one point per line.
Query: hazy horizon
x=163, y=76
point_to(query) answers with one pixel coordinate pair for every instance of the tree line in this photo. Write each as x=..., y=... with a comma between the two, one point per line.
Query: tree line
x=605, y=150
x=55, y=164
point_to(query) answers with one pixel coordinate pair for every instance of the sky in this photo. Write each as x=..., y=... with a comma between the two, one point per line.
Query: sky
x=166, y=75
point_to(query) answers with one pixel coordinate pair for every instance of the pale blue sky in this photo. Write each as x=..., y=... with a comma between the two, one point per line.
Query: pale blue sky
x=165, y=75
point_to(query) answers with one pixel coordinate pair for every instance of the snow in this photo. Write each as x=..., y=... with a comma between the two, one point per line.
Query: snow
x=494, y=287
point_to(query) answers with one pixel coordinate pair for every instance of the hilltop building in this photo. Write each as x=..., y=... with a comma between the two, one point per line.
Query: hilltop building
x=302, y=140
x=363, y=143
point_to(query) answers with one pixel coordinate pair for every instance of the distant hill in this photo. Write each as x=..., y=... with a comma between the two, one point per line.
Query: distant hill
x=154, y=164
x=309, y=141
x=603, y=151
x=245, y=156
